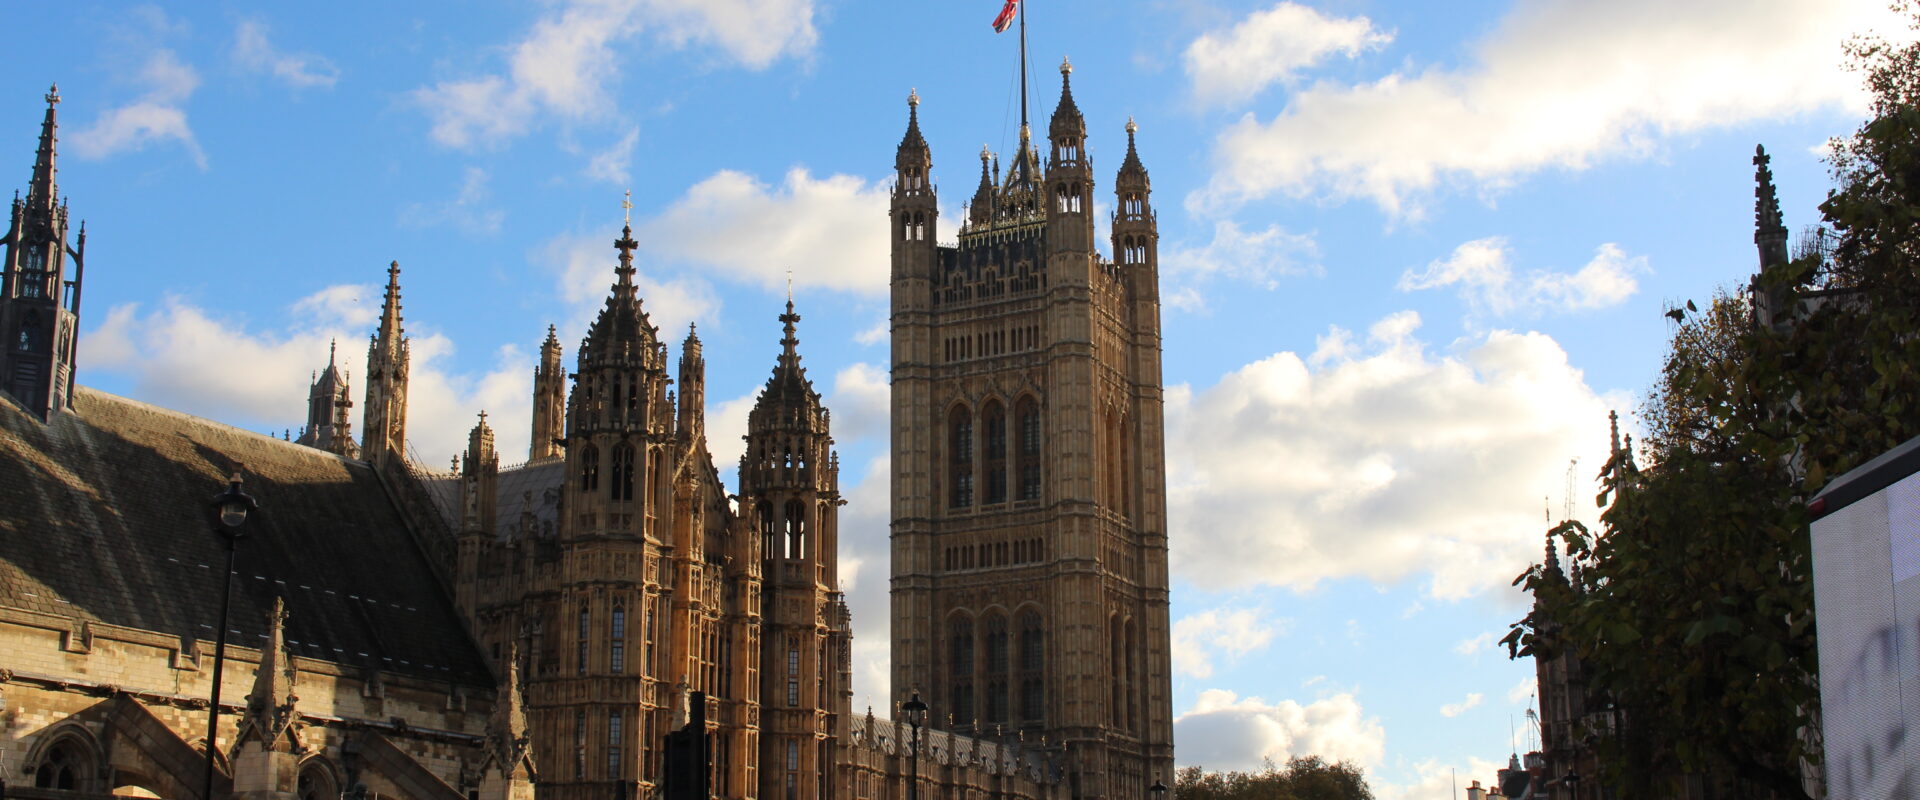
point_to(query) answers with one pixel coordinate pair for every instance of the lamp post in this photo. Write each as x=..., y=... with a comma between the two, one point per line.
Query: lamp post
x=1572, y=780
x=1158, y=791
x=916, y=716
x=230, y=509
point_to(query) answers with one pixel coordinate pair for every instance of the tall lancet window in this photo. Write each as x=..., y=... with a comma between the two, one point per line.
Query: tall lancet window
x=580, y=644
x=623, y=472
x=617, y=654
x=960, y=666
x=1027, y=416
x=960, y=456
x=997, y=664
x=993, y=423
x=589, y=469
x=1033, y=663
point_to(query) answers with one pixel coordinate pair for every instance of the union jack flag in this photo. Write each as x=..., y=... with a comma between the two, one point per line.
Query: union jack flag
x=1005, y=20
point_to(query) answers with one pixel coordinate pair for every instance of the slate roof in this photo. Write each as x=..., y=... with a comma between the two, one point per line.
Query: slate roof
x=104, y=516
x=531, y=488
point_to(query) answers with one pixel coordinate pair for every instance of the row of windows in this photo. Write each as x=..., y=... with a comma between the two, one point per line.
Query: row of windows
x=982, y=555
x=993, y=467
x=995, y=673
x=1018, y=339
x=785, y=535
x=623, y=474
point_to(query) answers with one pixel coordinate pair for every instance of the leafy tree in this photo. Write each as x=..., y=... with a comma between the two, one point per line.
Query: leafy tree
x=1692, y=611
x=1303, y=778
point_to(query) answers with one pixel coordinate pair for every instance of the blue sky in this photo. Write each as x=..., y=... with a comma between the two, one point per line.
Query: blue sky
x=1413, y=253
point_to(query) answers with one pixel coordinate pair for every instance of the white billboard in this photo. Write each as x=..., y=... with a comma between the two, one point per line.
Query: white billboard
x=1866, y=579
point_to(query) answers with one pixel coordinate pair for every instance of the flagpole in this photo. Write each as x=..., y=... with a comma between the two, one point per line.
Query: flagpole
x=1022, y=12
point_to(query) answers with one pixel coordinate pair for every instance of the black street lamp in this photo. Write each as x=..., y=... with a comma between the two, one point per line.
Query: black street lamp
x=1158, y=791
x=916, y=716
x=230, y=509
x=1572, y=780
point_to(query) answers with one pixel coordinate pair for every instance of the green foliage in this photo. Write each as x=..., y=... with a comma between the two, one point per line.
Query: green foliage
x=1692, y=614
x=1303, y=778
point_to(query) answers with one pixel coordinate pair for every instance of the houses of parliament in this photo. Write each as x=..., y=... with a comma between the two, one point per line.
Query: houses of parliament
x=512, y=633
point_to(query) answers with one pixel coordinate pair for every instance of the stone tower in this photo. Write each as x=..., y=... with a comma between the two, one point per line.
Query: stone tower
x=549, y=401
x=789, y=478
x=39, y=306
x=329, y=427
x=385, y=415
x=1029, y=510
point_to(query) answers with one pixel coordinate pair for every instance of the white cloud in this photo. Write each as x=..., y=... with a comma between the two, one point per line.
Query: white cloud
x=1451, y=710
x=1473, y=645
x=1377, y=460
x=1482, y=271
x=566, y=64
x=1231, y=632
x=1554, y=85
x=1272, y=45
x=861, y=401
x=612, y=164
x=1224, y=732
x=1440, y=780
x=1260, y=257
x=876, y=334
x=467, y=211
x=299, y=70
x=1522, y=691
x=179, y=356
x=828, y=231
x=156, y=116
x=351, y=305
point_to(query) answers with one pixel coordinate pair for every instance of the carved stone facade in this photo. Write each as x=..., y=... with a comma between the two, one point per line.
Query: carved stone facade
x=1029, y=516
x=493, y=633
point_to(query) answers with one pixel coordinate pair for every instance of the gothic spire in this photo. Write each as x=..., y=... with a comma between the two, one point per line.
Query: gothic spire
x=623, y=287
x=1552, y=565
x=41, y=191
x=1770, y=231
x=789, y=343
x=1068, y=122
x=1131, y=166
x=270, y=708
x=390, y=329
x=981, y=209
x=913, y=150
x=509, y=740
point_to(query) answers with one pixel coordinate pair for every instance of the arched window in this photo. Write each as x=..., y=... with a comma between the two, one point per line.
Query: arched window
x=796, y=529
x=997, y=666
x=1033, y=663
x=614, y=723
x=617, y=633
x=960, y=456
x=316, y=783
x=993, y=423
x=589, y=469
x=580, y=644
x=960, y=666
x=622, y=472
x=1027, y=416
x=65, y=766
x=1131, y=645
x=33, y=334
x=1115, y=654
x=769, y=531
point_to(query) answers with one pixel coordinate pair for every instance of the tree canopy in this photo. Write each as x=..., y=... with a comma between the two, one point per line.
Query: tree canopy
x=1302, y=778
x=1691, y=611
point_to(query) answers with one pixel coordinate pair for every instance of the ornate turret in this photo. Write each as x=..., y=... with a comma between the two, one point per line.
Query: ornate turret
x=789, y=478
x=549, y=401
x=479, y=479
x=506, y=769
x=693, y=391
x=267, y=742
x=915, y=208
x=980, y=209
x=1770, y=302
x=388, y=356
x=329, y=399
x=39, y=307
x=1069, y=175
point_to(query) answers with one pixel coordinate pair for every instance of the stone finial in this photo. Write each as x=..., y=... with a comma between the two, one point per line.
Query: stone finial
x=913, y=97
x=1066, y=66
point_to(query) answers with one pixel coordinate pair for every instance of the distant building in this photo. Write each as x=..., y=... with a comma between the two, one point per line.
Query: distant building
x=535, y=630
